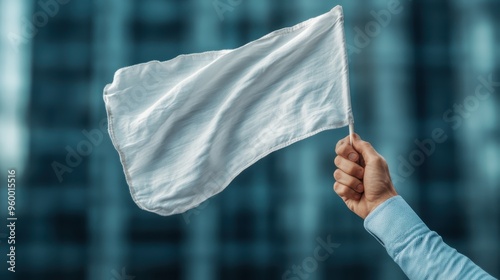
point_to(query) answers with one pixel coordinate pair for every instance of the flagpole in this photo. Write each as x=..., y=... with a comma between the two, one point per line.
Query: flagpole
x=351, y=132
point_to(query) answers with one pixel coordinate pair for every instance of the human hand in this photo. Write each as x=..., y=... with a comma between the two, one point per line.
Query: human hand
x=362, y=178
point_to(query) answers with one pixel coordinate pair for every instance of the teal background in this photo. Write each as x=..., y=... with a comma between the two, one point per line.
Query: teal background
x=414, y=70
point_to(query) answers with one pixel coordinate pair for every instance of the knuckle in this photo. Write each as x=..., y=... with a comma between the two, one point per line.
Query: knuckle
x=366, y=144
x=380, y=161
x=339, y=144
x=340, y=190
x=336, y=187
x=340, y=150
x=337, y=174
x=337, y=161
x=384, y=162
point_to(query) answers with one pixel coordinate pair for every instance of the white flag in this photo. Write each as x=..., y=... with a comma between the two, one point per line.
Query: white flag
x=185, y=128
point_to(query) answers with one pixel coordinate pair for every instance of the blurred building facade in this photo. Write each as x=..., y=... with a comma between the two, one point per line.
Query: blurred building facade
x=415, y=68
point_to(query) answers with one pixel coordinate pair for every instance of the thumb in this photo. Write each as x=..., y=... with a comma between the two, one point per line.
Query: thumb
x=364, y=148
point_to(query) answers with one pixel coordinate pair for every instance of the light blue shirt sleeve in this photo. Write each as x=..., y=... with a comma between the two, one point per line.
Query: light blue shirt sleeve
x=420, y=252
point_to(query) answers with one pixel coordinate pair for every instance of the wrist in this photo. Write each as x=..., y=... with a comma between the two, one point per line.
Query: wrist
x=380, y=200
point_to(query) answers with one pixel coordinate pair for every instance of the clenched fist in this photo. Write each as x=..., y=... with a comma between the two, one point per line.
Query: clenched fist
x=362, y=178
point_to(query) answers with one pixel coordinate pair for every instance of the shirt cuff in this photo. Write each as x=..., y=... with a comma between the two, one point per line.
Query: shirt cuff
x=391, y=220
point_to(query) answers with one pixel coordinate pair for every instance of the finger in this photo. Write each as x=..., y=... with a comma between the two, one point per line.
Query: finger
x=345, y=192
x=367, y=151
x=341, y=142
x=345, y=149
x=347, y=180
x=349, y=167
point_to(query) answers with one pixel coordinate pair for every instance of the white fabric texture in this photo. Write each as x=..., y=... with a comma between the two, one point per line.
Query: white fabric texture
x=185, y=128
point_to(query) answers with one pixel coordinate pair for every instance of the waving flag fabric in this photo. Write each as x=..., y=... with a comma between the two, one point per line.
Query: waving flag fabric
x=185, y=128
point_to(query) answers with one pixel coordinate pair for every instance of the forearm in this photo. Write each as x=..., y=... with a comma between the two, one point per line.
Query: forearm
x=420, y=252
